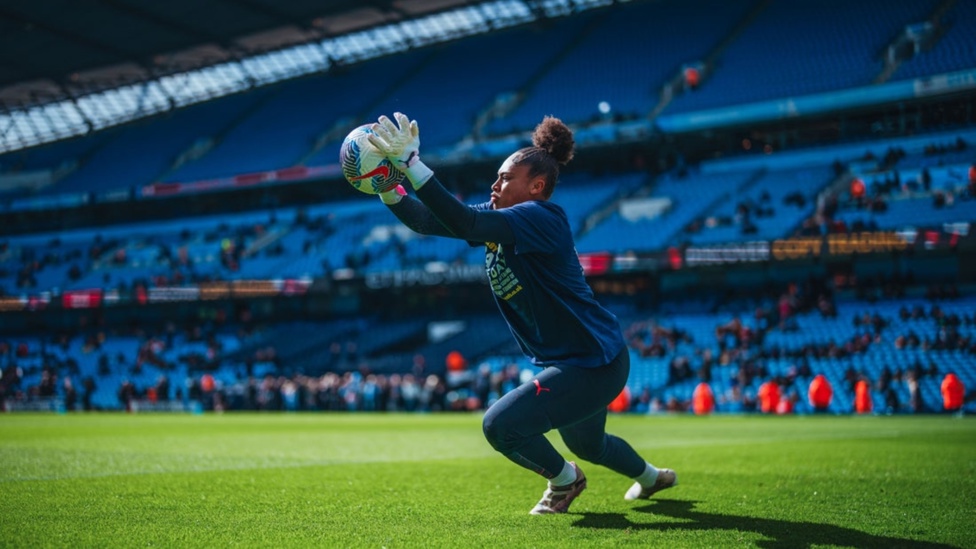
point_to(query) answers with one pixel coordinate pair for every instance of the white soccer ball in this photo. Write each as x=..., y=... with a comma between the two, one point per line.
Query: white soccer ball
x=364, y=166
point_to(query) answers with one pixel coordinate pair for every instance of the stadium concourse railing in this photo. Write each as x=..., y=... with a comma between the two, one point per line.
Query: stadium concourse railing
x=58, y=405
x=920, y=241
x=53, y=404
x=820, y=103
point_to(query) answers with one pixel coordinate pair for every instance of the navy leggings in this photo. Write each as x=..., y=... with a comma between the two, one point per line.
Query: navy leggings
x=573, y=400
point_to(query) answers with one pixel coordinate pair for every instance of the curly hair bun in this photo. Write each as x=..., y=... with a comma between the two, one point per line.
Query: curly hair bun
x=555, y=138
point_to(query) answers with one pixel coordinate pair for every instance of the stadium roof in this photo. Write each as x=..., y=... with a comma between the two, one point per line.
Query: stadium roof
x=56, y=49
x=72, y=67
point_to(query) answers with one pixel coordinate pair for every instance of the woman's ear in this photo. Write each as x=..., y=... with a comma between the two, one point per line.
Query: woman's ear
x=538, y=187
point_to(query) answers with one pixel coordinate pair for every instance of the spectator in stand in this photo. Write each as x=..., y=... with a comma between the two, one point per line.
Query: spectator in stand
x=914, y=391
x=88, y=387
x=70, y=394
x=622, y=402
x=769, y=396
x=208, y=386
x=126, y=394
x=703, y=399
x=162, y=388
x=692, y=78
x=820, y=393
x=679, y=369
x=862, y=397
x=858, y=191
x=705, y=371
x=785, y=405
x=953, y=392
x=48, y=385
x=972, y=181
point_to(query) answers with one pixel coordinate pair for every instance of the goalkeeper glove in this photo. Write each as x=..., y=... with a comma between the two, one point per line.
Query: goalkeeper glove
x=400, y=143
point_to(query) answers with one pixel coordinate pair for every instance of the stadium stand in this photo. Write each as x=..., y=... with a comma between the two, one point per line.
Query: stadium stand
x=481, y=70
x=804, y=319
x=772, y=206
x=804, y=48
x=144, y=153
x=689, y=195
x=954, y=49
x=624, y=63
x=294, y=118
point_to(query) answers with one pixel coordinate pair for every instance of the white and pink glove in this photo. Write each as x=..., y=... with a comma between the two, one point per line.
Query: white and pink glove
x=400, y=143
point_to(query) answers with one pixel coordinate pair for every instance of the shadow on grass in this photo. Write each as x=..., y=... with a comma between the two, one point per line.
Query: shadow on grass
x=779, y=533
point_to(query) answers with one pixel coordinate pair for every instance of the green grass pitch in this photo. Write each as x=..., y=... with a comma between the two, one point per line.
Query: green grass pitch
x=369, y=480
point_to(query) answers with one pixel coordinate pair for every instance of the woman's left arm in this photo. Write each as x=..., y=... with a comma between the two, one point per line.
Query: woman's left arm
x=464, y=221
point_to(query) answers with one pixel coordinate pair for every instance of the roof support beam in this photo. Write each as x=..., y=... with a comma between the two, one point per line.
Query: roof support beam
x=168, y=24
x=68, y=35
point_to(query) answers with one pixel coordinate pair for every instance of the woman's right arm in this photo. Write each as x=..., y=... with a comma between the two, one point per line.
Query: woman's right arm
x=418, y=217
x=437, y=212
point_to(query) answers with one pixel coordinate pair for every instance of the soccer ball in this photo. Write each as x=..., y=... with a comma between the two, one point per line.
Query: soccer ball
x=364, y=166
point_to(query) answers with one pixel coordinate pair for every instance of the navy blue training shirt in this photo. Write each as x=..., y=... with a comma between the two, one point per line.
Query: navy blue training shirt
x=539, y=287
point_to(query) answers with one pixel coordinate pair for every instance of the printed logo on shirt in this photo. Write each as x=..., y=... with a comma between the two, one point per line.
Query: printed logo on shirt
x=539, y=389
x=500, y=276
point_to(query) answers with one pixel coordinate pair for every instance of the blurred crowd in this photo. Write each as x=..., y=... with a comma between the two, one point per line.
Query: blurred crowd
x=744, y=354
x=175, y=258
x=873, y=192
x=189, y=365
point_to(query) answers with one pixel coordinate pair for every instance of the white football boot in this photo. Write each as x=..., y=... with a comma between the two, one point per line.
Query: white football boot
x=666, y=478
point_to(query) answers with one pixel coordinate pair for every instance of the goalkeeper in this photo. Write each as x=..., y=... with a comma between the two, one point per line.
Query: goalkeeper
x=538, y=284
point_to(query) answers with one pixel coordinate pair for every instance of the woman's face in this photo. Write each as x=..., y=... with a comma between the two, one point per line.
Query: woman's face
x=514, y=185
